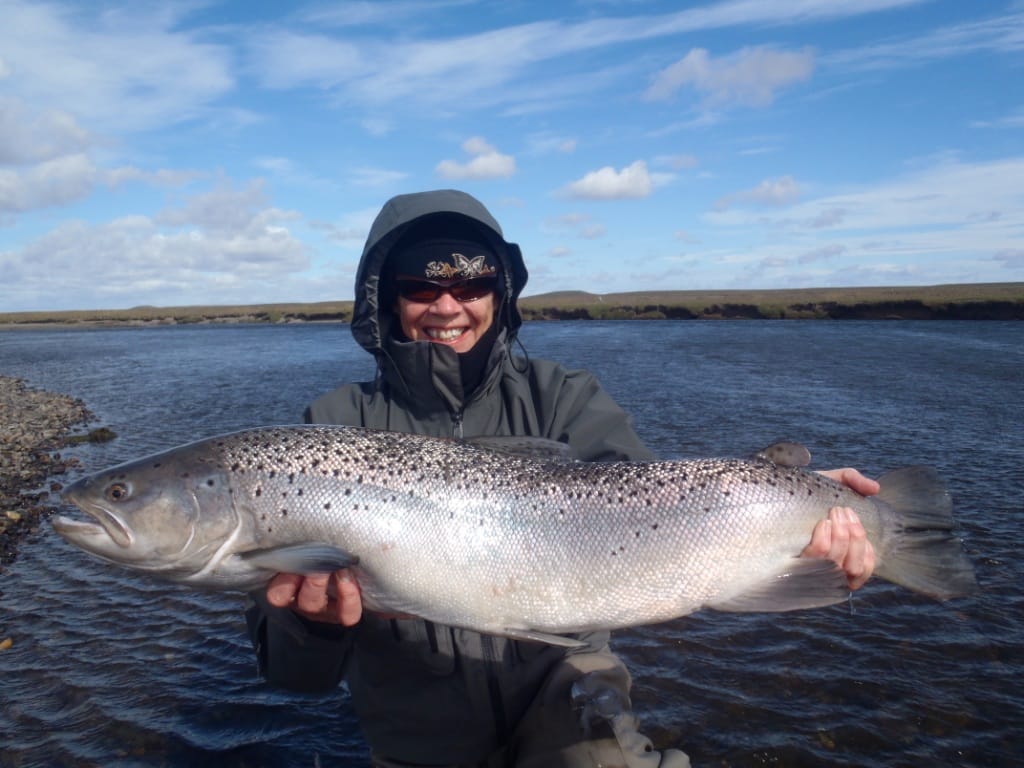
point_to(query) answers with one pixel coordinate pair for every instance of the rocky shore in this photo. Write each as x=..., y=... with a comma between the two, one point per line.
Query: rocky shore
x=34, y=426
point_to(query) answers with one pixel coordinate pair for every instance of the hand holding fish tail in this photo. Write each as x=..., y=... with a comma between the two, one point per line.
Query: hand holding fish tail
x=842, y=538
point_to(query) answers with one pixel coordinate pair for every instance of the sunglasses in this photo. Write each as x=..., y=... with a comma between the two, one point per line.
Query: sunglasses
x=427, y=291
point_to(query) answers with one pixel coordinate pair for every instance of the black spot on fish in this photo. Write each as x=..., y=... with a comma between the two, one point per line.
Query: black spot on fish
x=259, y=491
x=284, y=512
x=210, y=483
x=327, y=505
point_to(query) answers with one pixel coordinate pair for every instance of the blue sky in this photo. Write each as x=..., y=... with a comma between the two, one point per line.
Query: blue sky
x=176, y=153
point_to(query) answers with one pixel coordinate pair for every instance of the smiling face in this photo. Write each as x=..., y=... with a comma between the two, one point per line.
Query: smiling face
x=445, y=320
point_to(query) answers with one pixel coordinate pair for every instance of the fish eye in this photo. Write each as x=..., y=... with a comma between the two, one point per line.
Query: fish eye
x=117, y=492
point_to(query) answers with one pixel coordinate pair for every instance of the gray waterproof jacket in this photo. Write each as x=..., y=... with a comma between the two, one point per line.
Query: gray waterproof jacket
x=426, y=693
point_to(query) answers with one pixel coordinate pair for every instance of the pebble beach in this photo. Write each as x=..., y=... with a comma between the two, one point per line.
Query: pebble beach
x=35, y=426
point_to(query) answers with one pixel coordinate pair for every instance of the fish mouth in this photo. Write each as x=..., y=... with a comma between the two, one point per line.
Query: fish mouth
x=107, y=522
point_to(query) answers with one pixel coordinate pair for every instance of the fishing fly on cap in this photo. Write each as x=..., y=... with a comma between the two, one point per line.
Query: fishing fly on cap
x=442, y=249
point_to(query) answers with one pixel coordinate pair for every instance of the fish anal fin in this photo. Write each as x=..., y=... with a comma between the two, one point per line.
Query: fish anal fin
x=805, y=582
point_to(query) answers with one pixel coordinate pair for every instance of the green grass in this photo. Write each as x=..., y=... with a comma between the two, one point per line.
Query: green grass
x=974, y=301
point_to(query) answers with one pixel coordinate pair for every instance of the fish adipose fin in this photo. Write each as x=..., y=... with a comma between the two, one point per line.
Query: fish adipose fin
x=785, y=454
x=806, y=582
x=301, y=558
x=922, y=554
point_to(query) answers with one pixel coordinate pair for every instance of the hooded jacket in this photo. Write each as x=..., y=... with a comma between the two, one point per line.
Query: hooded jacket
x=426, y=693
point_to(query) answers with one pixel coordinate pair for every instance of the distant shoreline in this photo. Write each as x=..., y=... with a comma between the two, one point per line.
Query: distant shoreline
x=967, y=301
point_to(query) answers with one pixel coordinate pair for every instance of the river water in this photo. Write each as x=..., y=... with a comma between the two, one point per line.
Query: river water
x=108, y=669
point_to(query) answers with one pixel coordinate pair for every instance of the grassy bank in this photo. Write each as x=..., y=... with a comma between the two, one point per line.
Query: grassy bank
x=982, y=301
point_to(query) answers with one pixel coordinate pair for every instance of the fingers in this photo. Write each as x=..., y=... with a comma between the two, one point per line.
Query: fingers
x=854, y=480
x=328, y=597
x=312, y=597
x=842, y=539
x=350, y=602
x=283, y=588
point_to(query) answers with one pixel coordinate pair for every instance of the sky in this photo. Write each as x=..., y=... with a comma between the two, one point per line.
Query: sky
x=196, y=153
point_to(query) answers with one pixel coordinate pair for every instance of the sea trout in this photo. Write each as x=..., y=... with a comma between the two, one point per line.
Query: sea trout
x=472, y=535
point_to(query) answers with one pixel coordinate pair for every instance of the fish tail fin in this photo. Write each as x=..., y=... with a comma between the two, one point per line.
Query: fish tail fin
x=921, y=552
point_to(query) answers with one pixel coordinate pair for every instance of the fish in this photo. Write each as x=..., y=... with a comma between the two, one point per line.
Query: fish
x=503, y=538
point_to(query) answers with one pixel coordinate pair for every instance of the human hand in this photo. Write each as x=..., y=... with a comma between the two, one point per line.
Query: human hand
x=333, y=598
x=841, y=538
x=853, y=480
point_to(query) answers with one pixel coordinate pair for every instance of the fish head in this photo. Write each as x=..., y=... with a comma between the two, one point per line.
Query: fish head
x=170, y=514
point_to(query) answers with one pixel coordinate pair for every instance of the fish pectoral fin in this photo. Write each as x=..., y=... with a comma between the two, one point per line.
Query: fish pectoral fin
x=785, y=454
x=806, y=582
x=311, y=557
x=540, y=637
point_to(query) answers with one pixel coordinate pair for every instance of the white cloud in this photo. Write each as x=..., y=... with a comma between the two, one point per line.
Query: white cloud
x=823, y=253
x=218, y=248
x=677, y=162
x=69, y=178
x=581, y=224
x=377, y=177
x=1012, y=258
x=546, y=143
x=486, y=163
x=750, y=77
x=996, y=34
x=506, y=65
x=366, y=13
x=781, y=191
x=633, y=181
x=30, y=136
x=946, y=222
x=123, y=70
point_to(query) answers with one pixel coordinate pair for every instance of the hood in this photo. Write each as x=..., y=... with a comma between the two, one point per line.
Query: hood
x=370, y=321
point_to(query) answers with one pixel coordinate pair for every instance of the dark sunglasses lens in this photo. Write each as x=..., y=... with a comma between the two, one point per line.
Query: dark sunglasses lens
x=471, y=290
x=424, y=292
x=419, y=291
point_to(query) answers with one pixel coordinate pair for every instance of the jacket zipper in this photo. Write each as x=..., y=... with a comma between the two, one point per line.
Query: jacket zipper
x=457, y=425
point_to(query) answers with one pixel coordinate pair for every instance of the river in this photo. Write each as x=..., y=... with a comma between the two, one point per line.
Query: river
x=108, y=669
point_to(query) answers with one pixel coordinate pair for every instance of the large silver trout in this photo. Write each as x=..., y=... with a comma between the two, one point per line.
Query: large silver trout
x=469, y=536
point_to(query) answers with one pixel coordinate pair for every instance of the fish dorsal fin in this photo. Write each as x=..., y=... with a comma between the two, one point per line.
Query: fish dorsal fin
x=525, y=447
x=309, y=557
x=785, y=454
